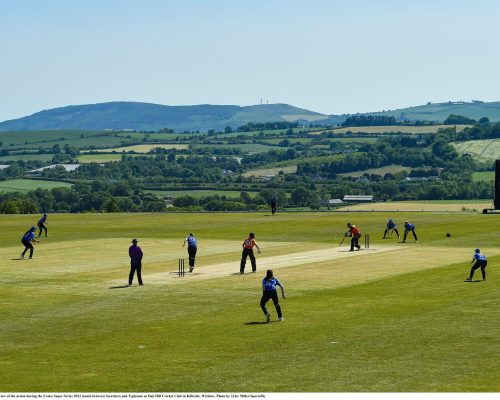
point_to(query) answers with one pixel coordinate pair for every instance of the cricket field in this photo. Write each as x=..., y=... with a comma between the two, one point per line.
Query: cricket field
x=397, y=317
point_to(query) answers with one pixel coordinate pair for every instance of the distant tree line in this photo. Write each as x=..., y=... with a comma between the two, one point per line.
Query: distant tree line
x=369, y=120
x=266, y=126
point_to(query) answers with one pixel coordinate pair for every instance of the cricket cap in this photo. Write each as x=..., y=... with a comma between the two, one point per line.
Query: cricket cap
x=134, y=240
x=477, y=250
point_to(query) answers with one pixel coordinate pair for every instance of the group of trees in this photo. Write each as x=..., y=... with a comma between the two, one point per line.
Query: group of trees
x=99, y=196
x=369, y=120
x=266, y=126
x=159, y=169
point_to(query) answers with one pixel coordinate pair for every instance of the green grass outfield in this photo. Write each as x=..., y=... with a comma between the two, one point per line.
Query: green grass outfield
x=397, y=317
x=26, y=185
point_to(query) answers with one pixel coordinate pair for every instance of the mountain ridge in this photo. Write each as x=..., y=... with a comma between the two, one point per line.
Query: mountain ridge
x=149, y=116
x=120, y=115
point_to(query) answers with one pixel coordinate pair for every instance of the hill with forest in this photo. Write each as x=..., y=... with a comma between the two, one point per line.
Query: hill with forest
x=119, y=116
x=149, y=117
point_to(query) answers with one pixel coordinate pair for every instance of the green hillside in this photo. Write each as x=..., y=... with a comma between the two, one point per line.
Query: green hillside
x=440, y=111
x=482, y=150
x=145, y=116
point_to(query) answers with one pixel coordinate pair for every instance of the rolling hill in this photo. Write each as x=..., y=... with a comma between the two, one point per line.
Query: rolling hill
x=146, y=116
x=436, y=112
x=440, y=111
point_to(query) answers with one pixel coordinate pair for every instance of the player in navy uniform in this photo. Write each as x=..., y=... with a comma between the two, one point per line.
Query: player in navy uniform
x=248, y=246
x=391, y=226
x=136, y=255
x=409, y=228
x=26, y=240
x=192, y=249
x=480, y=262
x=41, y=224
x=273, y=205
x=269, y=292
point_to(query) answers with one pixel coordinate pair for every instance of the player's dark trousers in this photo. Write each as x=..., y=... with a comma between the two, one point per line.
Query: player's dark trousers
x=479, y=264
x=135, y=266
x=354, y=242
x=270, y=295
x=273, y=208
x=192, y=256
x=387, y=231
x=28, y=246
x=414, y=235
x=247, y=253
x=42, y=227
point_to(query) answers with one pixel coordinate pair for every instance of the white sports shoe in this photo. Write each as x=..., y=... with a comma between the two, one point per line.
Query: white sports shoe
x=280, y=319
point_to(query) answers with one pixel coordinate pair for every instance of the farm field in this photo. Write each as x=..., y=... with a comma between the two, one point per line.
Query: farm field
x=353, y=322
x=26, y=157
x=26, y=185
x=141, y=148
x=101, y=158
x=32, y=140
x=483, y=150
x=244, y=147
x=485, y=176
x=425, y=205
x=290, y=169
x=199, y=193
x=398, y=128
x=389, y=169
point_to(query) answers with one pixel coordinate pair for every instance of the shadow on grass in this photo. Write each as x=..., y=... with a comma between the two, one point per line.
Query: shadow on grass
x=258, y=323
x=246, y=273
x=17, y=259
x=120, y=287
x=472, y=281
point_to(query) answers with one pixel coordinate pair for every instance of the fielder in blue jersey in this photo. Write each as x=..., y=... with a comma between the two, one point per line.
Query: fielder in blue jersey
x=26, y=240
x=390, y=227
x=41, y=224
x=192, y=249
x=269, y=292
x=409, y=228
x=479, y=261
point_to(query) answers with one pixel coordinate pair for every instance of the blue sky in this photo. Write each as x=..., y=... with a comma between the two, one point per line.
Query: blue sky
x=328, y=56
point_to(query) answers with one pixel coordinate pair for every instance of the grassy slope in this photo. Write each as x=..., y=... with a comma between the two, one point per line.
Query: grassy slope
x=440, y=111
x=398, y=326
x=25, y=185
x=404, y=129
x=483, y=150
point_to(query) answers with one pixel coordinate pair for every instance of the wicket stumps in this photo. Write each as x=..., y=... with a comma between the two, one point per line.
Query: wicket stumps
x=367, y=241
x=181, y=267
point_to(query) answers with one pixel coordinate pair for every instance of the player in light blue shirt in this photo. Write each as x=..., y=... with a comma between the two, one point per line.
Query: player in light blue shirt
x=269, y=292
x=479, y=261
